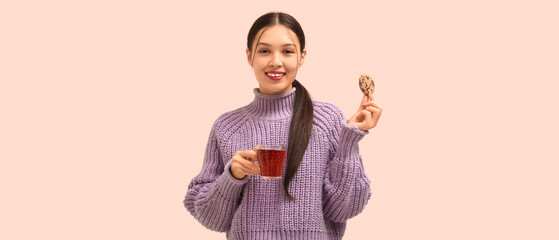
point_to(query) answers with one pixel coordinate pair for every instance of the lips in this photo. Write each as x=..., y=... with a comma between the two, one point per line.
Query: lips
x=275, y=75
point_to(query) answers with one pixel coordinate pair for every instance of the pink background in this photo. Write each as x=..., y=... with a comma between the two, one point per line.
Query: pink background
x=106, y=107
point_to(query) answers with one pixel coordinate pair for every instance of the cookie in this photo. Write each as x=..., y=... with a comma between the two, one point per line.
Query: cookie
x=366, y=84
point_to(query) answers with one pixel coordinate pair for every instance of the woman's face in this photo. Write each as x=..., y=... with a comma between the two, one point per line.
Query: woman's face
x=275, y=59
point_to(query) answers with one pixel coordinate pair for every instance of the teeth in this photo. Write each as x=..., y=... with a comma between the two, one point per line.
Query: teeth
x=275, y=74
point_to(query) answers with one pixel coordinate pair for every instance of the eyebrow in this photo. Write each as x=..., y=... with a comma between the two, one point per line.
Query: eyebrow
x=284, y=45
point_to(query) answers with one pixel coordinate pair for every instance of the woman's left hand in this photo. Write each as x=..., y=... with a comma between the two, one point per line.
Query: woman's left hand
x=367, y=115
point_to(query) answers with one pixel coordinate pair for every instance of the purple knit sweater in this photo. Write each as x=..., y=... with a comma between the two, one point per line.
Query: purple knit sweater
x=329, y=188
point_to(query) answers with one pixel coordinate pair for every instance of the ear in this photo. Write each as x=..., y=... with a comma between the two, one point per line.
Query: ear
x=249, y=57
x=303, y=54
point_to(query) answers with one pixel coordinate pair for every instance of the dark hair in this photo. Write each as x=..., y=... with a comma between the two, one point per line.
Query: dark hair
x=302, y=119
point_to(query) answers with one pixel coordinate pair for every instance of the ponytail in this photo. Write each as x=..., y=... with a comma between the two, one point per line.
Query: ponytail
x=299, y=133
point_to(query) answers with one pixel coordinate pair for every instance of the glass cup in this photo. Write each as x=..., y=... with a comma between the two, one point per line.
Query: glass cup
x=270, y=159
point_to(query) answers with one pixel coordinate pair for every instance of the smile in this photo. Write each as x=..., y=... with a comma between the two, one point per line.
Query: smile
x=275, y=74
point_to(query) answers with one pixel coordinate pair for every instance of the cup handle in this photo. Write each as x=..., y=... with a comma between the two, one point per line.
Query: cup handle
x=259, y=146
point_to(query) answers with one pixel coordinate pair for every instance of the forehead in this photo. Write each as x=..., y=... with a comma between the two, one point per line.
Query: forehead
x=277, y=35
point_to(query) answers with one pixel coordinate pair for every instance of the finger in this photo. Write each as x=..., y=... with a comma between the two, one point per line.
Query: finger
x=249, y=170
x=370, y=123
x=248, y=164
x=248, y=154
x=239, y=169
x=366, y=118
x=364, y=100
x=244, y=165
x=373, y=110
x=372, y=103
x=376, y=113
x=247, y=173
x=368, y=115
x=371, y=98
x=241, y=160
x=251, y=164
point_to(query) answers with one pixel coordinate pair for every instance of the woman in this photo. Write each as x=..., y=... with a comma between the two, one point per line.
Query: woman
x=324, y=183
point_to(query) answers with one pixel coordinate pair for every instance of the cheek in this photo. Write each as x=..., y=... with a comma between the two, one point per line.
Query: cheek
x=292, y=66
x=259, y=62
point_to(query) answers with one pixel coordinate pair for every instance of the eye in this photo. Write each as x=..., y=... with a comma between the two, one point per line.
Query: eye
x=288, y=51
x=263, y=51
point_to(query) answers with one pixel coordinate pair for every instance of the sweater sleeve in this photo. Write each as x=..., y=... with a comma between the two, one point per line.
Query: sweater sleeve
x=213, y=195
x=346, y=186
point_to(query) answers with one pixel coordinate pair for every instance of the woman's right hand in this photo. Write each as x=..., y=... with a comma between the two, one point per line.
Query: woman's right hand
x=242, y=164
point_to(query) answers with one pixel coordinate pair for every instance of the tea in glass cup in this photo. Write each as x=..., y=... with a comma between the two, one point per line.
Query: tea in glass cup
x=270, y=160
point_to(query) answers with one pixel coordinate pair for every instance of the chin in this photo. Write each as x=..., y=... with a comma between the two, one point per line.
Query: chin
x=274, y=90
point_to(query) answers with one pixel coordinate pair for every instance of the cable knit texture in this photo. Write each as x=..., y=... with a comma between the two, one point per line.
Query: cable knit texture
x=329, y=188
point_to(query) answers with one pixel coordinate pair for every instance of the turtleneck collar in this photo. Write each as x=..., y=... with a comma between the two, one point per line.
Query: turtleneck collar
x=272, y=106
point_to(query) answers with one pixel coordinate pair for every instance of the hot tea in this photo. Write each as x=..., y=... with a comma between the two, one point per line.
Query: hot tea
x=270, y=160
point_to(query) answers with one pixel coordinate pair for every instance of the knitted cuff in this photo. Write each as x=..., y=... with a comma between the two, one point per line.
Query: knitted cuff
x=355, y=131
x=230, y=187
x=350, y=136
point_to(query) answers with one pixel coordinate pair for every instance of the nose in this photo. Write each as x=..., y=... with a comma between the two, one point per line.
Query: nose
x=276, y=60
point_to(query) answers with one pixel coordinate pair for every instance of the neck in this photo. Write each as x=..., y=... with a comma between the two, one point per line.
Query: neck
x=272, y=106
